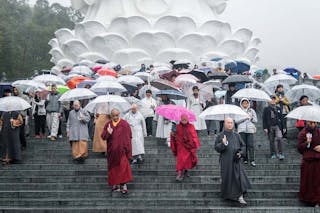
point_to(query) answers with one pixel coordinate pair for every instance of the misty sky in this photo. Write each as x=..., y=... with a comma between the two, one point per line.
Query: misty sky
x=289, y=29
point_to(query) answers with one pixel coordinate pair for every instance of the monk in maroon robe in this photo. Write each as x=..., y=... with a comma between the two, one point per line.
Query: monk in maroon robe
x=309, y=147
x=117, y=133
x=184, y=144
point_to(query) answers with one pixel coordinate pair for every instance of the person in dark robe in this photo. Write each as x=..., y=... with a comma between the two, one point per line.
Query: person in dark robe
x=10, y=123
x=309, y=147
x=234, y=181
x=117, y=133
x=184, y=144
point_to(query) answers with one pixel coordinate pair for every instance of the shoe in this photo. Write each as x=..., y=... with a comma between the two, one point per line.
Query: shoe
x=124, y=189
x=245, y=162
x=242, y=201
x=115, y=188
x=317, y=206
x=186, y=174
x=140, y=160
x=134, y=161
x=43, y=136
x=52, y=138
x=59, y=136
x=37, y=137
x=273, y=156
x=179, y=177
x=281, y=157
x=252, y=163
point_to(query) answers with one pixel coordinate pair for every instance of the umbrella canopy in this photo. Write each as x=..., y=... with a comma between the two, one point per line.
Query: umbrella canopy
x=186, y=79
x=223, y=111
x=102, y=61
x=218, y=75
x=242, y=66
x=168, y=76
x=130, y=80
x=213, y=83
x=142, y=90
x=161, y=70
x=105, y=71
x=77, y=94
x=29, y=85
x=106, y=78
x=164, y=85
x=105, y=87
x=96, y=68
x=307, y=113
x=296, y=92
x=235, y=79
x=174, y=112
x=125, y=72
x=73, y=82
x=199, y=74
x=60, y=88
x=130, y=88
x=109, y=102
x=280, y=79
x=144, y=76
x=49, y=79
x=81, y=70
x=172, y=94
x=13, y=103
x=252, y=94
x=86, y=82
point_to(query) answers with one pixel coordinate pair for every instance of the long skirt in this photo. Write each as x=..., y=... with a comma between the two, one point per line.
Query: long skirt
x=79, y=149
x=309, y=183
x=99, y=145
x=121, y=173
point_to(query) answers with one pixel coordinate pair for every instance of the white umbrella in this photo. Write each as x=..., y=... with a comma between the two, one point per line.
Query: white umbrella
x=142, y=90
x=110, y=102
x=105, y=87
x=130, y=79
x=29, y=85
x=280, y=79
x=186, y=79
x=296, y=92
x=307, y=113
x=252, y=94
x=81, y=70
x=223, y=111
x=13, y=103
x=144, y=76
x=77, y=94
x=49, y=79
x=215, y=83
x=106, y=78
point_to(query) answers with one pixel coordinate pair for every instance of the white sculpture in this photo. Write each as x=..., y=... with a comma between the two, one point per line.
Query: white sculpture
x=135, y=31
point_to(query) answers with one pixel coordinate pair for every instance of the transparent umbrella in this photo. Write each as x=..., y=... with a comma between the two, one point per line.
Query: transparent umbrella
x=252, y=94
x=77, y=94
x=13, y=103
x=307, y=113
x=296, y=92
x=110, y=102
x=223, y=111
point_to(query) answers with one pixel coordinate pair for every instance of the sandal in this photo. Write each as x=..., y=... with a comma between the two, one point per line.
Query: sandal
x=124, y=189
x=115, y=188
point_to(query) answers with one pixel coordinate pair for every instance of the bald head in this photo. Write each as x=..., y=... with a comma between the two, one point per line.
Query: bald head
x=228, y=124
x=76, y=105
x=134, y=108
x=115, y=115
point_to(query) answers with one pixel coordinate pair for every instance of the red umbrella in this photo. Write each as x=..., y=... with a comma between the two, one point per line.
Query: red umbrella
x=105, y=71
x=97, y=68
x=73, y=82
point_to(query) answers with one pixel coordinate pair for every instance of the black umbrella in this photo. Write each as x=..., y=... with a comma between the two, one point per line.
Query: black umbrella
x=172, y=94
x=102, y=61
x=131, y=89
x=218, y=75
x=234, y=79
x=200, y=75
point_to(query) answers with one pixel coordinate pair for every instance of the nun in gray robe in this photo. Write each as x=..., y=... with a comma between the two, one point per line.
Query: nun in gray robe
x=234, y=181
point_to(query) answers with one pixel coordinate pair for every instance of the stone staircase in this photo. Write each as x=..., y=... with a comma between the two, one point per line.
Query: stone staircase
x=48, y=181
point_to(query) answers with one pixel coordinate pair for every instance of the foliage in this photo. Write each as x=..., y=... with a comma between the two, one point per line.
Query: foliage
x=25, y=33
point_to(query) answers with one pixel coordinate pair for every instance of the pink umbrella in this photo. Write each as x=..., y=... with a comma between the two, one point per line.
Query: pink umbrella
x=174, y=112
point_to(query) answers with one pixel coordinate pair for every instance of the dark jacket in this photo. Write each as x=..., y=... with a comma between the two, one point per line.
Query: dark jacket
x=266, y=118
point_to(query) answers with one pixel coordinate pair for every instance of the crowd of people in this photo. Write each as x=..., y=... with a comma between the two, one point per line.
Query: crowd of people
x=120, y=135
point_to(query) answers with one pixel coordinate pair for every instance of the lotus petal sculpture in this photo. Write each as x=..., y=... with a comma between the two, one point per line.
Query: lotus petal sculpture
x=129, y=32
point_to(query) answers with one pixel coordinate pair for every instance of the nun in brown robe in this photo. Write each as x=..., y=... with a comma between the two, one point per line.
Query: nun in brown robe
x=101, y=118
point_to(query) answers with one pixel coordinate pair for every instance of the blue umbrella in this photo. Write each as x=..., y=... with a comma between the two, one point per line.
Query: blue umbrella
x=172, y=94
x=242, y=67
x=292, y=71
x=216, y=59
x=231, y=66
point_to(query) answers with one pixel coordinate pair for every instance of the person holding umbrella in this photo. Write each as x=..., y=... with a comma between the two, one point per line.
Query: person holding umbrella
x=184, y=144
x=283, y=102
x=309, y=148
